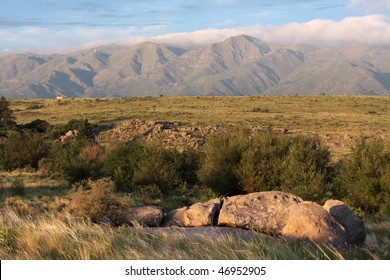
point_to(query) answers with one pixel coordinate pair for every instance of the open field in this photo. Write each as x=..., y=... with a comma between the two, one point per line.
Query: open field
x=337, y=119
x=36, y=221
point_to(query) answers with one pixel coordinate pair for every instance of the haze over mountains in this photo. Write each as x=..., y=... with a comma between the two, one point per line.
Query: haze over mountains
x=240, y=65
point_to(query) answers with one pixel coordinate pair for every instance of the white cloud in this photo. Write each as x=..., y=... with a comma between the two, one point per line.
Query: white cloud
x=371, y=4
x=372, y=29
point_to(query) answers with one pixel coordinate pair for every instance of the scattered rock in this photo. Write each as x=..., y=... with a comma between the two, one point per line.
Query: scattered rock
x=310, y=221
x=70, y=135
x=263, y=211
x=198, y=215
x=354, y=227
x=150, y=216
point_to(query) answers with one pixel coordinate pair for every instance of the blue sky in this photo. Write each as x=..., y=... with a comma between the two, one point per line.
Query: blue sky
x=49, y=25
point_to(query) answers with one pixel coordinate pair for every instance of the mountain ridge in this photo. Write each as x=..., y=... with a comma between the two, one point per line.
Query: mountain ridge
x=240, y=65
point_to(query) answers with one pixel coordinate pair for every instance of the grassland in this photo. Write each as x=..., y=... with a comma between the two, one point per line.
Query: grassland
x=36, y=225
x=337, y=119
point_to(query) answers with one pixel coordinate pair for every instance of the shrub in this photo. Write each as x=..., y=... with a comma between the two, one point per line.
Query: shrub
x=223, y=152
x=236, y=162
x=158, y=166
x=87, y=164
x=37, y=125
x=261, y=165
x=21, y=150
x=121, y=163
x=45, y=167
x=307, y=171
x=150, y=194
x=365, y=175
x=190, y=162
x=98, y=201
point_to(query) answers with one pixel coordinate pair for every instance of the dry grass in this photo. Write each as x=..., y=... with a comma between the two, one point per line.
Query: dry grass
x=65, y=237
x=337, y=119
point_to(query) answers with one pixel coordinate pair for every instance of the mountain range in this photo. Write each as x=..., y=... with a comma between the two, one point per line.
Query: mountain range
x=240, y=65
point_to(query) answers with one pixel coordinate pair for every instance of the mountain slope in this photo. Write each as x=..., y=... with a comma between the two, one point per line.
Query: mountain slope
x=240, y=65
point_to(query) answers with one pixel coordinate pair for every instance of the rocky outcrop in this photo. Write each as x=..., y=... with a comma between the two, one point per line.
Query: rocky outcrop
x=171, y=134
x=354, y=227
x=198, y=215
x=309, y=221
x=276, y=213
x=263, y=211
x=150, y=216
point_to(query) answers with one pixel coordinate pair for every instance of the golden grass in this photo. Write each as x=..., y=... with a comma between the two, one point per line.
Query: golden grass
x=337, y=119
x=65, y=237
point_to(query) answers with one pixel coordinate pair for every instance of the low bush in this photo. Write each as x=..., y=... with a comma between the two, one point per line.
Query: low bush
x=238, y=162
x=98, y=201
x=23, y=149
x=37, y=125
x=223, y=152
x=365, y=176
x=121, y=163
x=308, y=171
x=158, y=165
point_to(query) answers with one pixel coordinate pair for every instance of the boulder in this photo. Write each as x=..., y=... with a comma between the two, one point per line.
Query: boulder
x=176, y=217
x=310, y=221
x=262, y=211
x=197, y=215
x=150, y=216
x=354, y=228
x=207, y=232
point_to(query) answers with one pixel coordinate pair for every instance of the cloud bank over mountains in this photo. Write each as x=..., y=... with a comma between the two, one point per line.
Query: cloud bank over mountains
x=371, y=29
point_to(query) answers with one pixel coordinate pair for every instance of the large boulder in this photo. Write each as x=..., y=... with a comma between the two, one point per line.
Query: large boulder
x=354, y=228
x=207, y=232
x=150, y=216
x=197, y=215
x=262, y=211
x=310, y=221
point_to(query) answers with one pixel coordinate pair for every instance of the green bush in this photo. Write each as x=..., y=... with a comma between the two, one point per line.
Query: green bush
x=158, y=166
x=121, y=163
x=87, y=164
x=237, y=162
x=23, y=149
x=365, y=175
x=223, y=152
x=261, y=165
x=37, y=125
x=307, y=170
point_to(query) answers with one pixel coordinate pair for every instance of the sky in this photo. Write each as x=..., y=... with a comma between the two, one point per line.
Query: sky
x=45, y=26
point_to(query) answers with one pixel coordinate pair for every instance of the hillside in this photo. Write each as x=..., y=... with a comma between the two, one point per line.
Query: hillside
x=240, y=65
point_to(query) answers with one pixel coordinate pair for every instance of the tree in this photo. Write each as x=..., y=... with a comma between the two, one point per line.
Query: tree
x=7, y=118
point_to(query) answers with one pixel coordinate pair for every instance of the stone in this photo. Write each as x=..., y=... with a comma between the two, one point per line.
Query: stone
x=266, y=212
x=207, y=232
x=309, y=221
x=150, y=216
x=354, y=227
x=197, y=215
x=176, y=217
